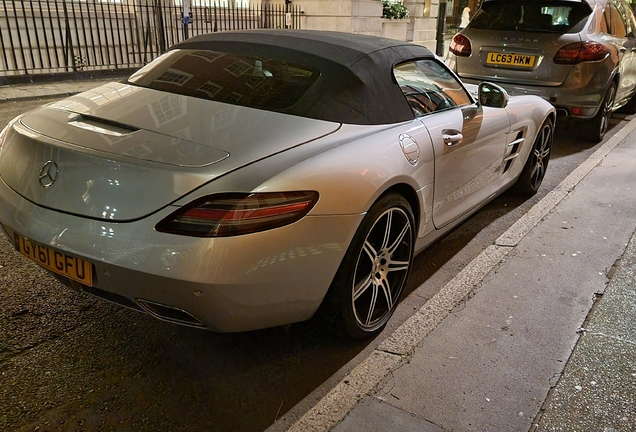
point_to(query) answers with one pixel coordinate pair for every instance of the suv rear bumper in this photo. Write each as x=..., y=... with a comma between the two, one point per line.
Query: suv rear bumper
x=563, y=98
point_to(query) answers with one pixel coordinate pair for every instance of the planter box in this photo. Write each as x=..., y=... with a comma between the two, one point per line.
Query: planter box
x=395, y=28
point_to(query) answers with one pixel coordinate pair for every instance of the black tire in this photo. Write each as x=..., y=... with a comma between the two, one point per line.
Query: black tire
x=536, y=165
x=371, y=278
x=594, y=130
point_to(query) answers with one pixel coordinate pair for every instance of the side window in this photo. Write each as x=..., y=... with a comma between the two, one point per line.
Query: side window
x=632, y=22
x=615, y=21
x=429, y=87
x=604, y=22
x=628, y=16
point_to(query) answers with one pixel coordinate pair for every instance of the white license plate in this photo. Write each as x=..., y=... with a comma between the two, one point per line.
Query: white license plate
x=509, y=59
x=72, y=267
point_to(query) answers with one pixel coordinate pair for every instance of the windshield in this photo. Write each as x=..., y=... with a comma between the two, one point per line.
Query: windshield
x=512, y=15
x=267, y=83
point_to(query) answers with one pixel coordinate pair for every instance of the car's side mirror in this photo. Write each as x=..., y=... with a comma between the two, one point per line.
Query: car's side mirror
x=492, y=95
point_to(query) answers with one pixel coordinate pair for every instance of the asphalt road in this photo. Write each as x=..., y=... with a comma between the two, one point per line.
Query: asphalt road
x=72, y=362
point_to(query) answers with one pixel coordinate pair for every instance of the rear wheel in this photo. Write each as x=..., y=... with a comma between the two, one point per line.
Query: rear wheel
x=598, y=125
x=373, y=273
x=536, y=165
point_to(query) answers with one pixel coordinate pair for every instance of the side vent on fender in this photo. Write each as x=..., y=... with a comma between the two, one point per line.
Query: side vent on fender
x=513, y=151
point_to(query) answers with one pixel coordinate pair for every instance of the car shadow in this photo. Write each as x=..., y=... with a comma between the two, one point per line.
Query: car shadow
x=568, y=141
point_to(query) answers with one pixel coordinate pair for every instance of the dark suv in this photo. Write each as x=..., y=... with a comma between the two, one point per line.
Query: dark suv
x=578, y=54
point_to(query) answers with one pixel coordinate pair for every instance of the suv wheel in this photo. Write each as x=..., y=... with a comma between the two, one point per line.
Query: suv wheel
x=598, y=125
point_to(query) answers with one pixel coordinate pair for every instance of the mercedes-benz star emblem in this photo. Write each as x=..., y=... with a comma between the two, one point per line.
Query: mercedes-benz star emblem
x=48, y=174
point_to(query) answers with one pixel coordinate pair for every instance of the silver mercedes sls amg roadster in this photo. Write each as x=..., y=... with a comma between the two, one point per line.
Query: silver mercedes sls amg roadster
x=244, y=179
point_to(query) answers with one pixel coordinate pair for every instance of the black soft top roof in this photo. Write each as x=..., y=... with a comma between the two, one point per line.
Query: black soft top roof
x=356, y=84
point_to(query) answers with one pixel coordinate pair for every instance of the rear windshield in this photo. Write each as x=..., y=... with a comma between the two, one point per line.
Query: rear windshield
x=266, y=83
x=536, y=16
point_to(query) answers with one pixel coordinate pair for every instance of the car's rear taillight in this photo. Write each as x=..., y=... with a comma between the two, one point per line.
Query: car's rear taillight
x=231, y=214
x=460, y=46
x=579, y=52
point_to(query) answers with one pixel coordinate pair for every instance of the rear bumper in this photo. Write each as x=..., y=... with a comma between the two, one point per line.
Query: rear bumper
x=228, y=284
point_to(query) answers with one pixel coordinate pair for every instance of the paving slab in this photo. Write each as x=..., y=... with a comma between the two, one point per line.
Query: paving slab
x=375, y=415
x=591, y=395
x=597, y=390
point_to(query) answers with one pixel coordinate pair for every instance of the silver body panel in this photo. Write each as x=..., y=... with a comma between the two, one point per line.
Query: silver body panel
x=267, y=278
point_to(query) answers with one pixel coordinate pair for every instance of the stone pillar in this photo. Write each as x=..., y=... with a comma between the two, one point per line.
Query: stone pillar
x=366, y=17
x=350, y=16
x=423, y=25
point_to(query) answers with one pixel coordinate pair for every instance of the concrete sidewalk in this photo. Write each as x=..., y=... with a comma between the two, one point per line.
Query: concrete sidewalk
x=537, y=333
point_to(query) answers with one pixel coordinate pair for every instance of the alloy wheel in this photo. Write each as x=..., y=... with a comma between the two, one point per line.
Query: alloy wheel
x=382, y=268
x=608, y=104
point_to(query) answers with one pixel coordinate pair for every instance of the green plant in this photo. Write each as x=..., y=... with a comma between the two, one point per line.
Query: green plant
x=394, y=10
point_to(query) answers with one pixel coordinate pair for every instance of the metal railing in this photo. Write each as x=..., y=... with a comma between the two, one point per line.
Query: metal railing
x=61, y=36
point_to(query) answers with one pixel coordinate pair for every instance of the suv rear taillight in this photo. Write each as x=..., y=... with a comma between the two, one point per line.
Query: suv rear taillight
x=579, y=52
x=231, y=214
x=460, y=46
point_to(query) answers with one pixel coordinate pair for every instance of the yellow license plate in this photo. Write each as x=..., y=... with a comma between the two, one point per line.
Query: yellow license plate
x=507, y=59
x=60, y=263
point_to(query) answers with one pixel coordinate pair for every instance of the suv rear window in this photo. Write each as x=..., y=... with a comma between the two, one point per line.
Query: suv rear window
x=513, y=15
x=266, y=83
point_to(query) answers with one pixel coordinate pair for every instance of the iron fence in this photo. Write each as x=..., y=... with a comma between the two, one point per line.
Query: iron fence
x=62, y=36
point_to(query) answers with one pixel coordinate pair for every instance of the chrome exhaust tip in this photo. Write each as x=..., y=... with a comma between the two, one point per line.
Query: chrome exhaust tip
x=169, y=313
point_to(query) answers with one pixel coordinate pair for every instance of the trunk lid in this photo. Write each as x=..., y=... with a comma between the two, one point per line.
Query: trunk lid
x=120, y=152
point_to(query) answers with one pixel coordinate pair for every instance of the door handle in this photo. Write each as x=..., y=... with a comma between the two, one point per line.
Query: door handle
x=452, y=137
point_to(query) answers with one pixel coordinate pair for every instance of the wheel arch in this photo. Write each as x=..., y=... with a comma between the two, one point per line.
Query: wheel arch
x=614, y=77
x=552, y=116
x=410, y=195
